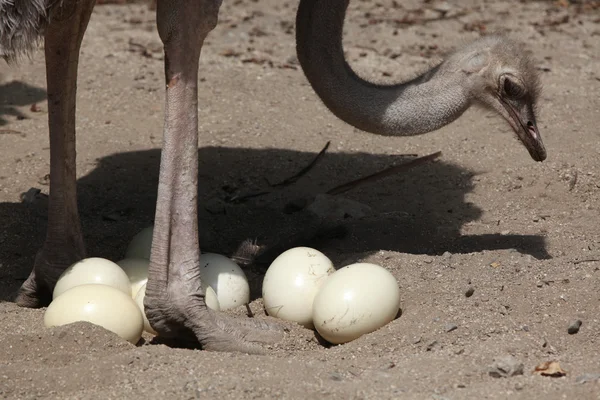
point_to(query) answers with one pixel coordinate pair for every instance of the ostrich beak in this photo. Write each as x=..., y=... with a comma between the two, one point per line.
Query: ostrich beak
x=522, y=120
x=530, y=136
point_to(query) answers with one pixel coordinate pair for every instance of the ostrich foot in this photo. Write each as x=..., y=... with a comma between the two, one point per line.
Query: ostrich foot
x=37, y=289
x=185, y=318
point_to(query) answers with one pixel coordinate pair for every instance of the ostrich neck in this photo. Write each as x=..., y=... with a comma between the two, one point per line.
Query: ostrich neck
x=421, y=105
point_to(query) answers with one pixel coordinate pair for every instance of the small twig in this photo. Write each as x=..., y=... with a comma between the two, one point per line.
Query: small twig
x=573, y=181
x=138, y=45
x=304, y=170
x=285, y=182
x=143, y=50
x=409, y=20
x=244, y=197
x=249, y=311
x=382, y=174
x=586, y=260
x=11, y=132
x=373, y=49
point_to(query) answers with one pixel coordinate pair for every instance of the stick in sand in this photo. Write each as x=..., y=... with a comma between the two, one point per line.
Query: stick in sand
x=383, y=173
x=304, y=170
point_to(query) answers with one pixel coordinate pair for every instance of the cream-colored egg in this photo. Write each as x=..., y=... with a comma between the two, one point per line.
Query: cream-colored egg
x=355, y=300
x=139, y=300
x=99, y=304
x=226, y=278
x=292, y=281
x=141, y=244
x=211, y=301
x=137, y=272
x=93, y=270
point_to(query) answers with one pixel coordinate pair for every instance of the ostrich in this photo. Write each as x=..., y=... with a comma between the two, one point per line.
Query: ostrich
x=493, y=72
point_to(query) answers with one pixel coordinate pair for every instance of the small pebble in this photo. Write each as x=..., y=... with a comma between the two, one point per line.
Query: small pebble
x=574, y=327
x=431, y=345
x=469, y=292
x=588, y=378
x=295, y=205
x=506, y=367
x=30, y=195
x=338, y=208
x=215, y=206
x=336, y=376
x=388, y=365
x=451, y=327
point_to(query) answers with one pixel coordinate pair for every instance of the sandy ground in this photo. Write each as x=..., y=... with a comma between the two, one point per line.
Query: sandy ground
x=523, y=236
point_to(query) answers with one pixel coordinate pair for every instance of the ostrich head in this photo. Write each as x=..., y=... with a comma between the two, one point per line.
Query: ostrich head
x=502, y=77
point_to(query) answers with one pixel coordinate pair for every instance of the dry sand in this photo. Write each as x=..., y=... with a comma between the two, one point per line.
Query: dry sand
x=523, y=235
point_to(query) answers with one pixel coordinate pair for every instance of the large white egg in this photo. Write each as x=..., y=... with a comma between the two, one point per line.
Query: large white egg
x=101, y=305
x=226, y=278
x=292, y=281
x=92, y=270
x=141, y=244
x=139, y=300
x=137, y=272
x=211, y=301
x=355, y=300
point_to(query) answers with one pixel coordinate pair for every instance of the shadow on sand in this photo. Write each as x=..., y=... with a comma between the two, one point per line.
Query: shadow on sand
x=17, y=94
x=419, y=212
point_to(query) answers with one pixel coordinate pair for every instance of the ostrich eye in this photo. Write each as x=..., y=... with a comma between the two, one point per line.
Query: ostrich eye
x=511, y=89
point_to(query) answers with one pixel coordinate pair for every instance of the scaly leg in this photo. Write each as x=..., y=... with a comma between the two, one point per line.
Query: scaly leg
x=174, y=300
x=64, y=242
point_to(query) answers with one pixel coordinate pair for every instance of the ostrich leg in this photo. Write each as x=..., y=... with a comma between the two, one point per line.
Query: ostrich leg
x=64, y=242
x=174, y=302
